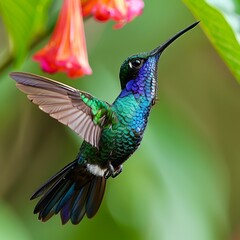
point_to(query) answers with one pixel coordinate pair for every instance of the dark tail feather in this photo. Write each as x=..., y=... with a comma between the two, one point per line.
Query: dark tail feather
x=73, y=192
x=95, y=196
x=50, y=181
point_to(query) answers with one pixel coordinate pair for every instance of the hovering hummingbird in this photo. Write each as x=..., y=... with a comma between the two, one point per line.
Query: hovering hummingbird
x=111, y=132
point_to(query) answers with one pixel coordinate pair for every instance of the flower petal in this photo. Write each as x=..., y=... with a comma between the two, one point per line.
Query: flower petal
x=66, y=50
x=121, y=11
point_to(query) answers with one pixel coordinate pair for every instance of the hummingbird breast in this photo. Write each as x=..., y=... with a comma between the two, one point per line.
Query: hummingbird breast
x=125, y=136
x=120, y=141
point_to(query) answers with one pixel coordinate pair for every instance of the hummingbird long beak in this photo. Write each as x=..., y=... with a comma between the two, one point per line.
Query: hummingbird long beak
x=161, y=48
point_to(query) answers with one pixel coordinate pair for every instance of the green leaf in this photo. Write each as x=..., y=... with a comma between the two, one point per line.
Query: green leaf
x=220, y=22
x=23, y=20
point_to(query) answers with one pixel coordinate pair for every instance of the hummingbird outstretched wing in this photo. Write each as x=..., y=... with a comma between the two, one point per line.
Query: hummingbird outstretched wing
x=82, y=112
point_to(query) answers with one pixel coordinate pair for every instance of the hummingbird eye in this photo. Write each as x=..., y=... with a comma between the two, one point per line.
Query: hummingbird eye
x=136, y=63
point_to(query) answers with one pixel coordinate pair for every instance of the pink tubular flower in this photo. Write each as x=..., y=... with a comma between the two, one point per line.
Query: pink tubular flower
x=121, y=11
x=66, y=50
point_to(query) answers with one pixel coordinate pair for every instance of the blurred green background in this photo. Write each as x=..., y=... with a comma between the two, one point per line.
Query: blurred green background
x=182, y=183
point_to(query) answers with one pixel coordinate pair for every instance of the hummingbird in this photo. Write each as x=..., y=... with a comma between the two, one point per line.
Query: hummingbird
x=111, y=132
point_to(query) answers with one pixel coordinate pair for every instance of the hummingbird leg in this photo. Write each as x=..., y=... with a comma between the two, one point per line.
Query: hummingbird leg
x=111, y=172
x=117, y=171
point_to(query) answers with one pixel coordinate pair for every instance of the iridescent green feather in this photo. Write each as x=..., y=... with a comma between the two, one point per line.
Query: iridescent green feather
x=100, y=111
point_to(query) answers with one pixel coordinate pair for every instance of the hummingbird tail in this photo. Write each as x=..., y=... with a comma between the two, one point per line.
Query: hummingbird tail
x=73, y=192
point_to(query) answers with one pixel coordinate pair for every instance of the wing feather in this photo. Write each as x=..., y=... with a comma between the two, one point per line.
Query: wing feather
x=66, y=104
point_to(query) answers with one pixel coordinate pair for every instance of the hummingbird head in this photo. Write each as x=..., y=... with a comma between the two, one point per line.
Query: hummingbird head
x=141, y=69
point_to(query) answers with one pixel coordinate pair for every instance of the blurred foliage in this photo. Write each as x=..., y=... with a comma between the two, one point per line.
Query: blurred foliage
x=23, y=20
x=183, y=182
x=9, y=220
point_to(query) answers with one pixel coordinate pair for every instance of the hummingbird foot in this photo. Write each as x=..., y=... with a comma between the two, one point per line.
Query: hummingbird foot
x=117, y=171
x=111, y=172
